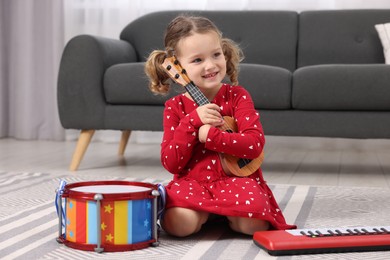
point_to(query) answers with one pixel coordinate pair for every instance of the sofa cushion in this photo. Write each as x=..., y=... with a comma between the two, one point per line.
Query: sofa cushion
x=342, y=87
x=270, y=37
x=384, y=35
x=342, y=124
x=270, y=87
x=340, y=37
x=127, y=84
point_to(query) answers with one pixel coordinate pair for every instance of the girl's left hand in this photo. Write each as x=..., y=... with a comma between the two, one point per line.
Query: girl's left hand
x=203, y=132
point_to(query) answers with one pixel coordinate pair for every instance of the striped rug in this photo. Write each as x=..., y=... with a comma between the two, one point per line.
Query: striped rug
x=29, y=224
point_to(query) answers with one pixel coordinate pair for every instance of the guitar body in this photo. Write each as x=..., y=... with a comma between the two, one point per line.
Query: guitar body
x=235, y=165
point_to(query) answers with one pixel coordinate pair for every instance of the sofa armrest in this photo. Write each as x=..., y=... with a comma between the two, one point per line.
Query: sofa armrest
x=80, y=94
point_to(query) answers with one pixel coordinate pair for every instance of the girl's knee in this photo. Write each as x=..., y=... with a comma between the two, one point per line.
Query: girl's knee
x=183, y=222
x=247, y=225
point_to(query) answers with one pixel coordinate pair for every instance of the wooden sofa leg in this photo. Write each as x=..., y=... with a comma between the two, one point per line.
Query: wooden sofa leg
x=82, y=145
x=123, y=143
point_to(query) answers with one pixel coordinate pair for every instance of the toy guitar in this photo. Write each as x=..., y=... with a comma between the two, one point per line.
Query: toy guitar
x=324, y=240
x=231, y=164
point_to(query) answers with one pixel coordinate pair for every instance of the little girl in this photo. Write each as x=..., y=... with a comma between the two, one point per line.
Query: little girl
x=192, y=142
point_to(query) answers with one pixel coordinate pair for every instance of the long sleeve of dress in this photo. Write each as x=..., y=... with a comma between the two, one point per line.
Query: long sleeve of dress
x=180, y=137
x=249, y=140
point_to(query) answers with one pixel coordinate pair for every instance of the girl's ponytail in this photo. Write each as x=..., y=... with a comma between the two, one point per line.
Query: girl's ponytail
x=158, y=79
x=233, y=55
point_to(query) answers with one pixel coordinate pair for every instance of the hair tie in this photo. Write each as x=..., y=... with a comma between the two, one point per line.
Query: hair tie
x=170, y=52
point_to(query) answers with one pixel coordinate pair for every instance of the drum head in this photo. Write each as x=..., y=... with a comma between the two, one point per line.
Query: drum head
x=110, y=189
x=118, y=190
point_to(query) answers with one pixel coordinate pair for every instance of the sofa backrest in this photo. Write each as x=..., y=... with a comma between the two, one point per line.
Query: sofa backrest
x=340, y=37
x=266, y=37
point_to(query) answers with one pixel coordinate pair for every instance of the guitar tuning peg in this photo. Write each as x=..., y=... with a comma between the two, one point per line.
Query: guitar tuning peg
x=183, y=71
x=176, y=62
x=169, y=67
x=177, y=76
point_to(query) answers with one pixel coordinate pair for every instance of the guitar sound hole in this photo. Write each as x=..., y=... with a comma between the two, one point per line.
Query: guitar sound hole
x=243, y=162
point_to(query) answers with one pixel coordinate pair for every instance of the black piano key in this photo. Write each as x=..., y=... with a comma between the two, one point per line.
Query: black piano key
x=331, y=232
x=346, y=232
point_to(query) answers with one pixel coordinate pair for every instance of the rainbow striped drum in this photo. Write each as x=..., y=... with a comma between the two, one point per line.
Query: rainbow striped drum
x=108, y=215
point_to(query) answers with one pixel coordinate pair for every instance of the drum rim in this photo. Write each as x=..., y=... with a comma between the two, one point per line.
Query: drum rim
x=68, y=192
x=107, y=247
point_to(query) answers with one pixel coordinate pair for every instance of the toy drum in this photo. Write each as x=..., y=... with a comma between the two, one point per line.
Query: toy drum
x=108, y=215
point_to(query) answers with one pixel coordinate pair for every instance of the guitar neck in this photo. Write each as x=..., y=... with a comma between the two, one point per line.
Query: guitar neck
x=196, y=94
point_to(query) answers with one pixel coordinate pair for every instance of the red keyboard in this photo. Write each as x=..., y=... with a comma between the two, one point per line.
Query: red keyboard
x=323, y=240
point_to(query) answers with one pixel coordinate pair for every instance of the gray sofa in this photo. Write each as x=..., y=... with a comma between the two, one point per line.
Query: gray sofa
x=313, y=73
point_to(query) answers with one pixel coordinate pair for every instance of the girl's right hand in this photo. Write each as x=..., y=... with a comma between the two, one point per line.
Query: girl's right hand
x=209, y=114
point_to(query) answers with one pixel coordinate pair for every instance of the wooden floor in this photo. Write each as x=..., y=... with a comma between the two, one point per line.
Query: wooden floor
x=289, y=160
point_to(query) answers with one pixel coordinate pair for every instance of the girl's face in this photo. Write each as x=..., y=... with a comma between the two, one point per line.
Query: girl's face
x=202, y=57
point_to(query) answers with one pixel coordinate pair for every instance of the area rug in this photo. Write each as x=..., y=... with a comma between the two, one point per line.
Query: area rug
x=29, y=223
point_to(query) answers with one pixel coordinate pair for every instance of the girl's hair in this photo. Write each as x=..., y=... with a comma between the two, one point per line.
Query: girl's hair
x=179, y=28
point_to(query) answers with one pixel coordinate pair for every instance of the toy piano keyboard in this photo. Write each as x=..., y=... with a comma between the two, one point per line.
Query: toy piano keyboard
x=323, y=240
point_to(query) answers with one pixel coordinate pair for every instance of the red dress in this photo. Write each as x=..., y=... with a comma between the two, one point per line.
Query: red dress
x=199, y=182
